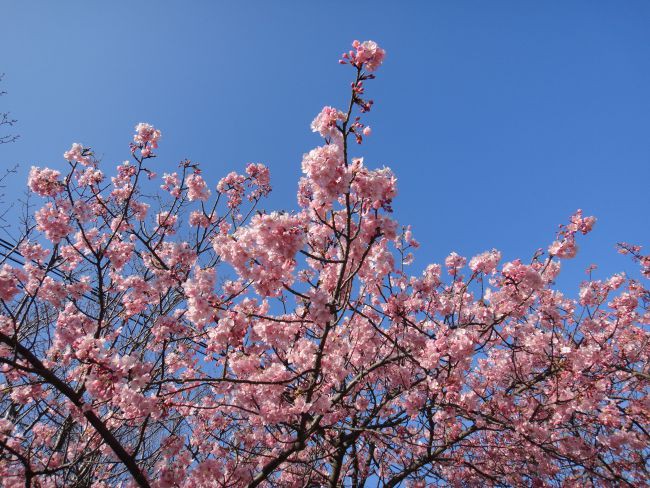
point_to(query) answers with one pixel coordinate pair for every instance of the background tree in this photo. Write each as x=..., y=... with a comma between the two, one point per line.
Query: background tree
x=126, y=359
x=6, y=121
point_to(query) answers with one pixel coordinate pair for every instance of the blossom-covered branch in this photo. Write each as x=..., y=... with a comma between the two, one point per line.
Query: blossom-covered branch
x=164, y=331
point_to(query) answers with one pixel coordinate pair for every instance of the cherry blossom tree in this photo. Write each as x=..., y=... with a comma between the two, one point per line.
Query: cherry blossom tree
x=167, y=332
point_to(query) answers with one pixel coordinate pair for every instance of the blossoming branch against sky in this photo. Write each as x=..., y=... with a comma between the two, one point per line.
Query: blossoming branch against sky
x=281, y=310
x=499, y=119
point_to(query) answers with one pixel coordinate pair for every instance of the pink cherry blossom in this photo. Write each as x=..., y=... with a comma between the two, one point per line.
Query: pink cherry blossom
x=33, y=251
x=8, y=283
x=454, y=262
x=326, y=121
x=54, y=222
x=199, y=219
x=366, y=53
x=89, y=177
x=157, y=337
x=264, y=251
x=197, y=188
x=146, y=137
x=171, y=184
x=79, y=154
x=233, y=186
x=45, y=182
x=201, y=303
x=260, y=180
x=486, y=262
x=565, y=248
x=166, y=221
x=326, y=173
x=378, y=186
x=119, y=253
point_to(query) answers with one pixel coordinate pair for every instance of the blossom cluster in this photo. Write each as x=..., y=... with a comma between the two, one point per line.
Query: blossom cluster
x=264, y=252
x=326, y=122
x=45, y=182
x=367, y=54
x=146, y=137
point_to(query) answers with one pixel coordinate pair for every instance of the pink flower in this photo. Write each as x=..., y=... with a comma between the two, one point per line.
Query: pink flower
x=522, y=274
x=378, y=186
x=54, y=222
x=140, y=210
x=199, y=290
x=8, y=283
x=581, y=224
x=44, y=182
x=146, y=137
x=197, y=188
x=33, y=251
x=232, y=185
x=171, y=184
x=199, y=219
x=454, y=262
x=119, y=253
x=53, y=291
x=319, y=308
x=79, y=154
x=260, y=180
x=167, y=221
x=565, y=248
x=367, y=54
x=89, y=177
x=486, y=262
x=265, y=250
x=325, y=122
x=326, y=173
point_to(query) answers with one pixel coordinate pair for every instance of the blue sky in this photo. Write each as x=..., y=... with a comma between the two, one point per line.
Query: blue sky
x=499, y=118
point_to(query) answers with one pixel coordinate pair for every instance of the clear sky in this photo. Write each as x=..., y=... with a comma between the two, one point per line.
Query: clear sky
x=499, y=118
